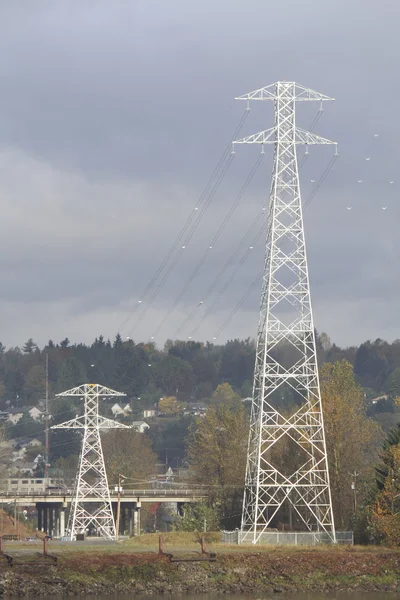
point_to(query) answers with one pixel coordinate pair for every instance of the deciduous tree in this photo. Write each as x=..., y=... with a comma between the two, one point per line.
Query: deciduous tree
x=225, y=394
x=128, y=453
x=169, y=405
x=199, y=516
x=217, y=451
x=385, y=513
x=352, y=438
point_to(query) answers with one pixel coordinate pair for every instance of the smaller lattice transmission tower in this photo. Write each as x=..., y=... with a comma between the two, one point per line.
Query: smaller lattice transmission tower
x=287, y=477
x=91, y=503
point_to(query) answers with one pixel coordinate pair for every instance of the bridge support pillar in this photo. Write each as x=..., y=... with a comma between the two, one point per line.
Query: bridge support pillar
x=40, y=518
x=62, y=521
x=45, y=520
x=136, y=518
x=123, y=521
x=130, y=521
x=56, y=522
x=51, y=521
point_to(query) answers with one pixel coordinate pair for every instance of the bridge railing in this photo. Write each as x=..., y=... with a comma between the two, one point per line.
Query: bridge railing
x=193, y=492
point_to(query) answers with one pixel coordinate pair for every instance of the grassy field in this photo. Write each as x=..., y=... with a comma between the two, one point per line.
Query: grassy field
x=179, y=543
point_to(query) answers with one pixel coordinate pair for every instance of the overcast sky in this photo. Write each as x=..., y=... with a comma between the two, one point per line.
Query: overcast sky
x=113, y=116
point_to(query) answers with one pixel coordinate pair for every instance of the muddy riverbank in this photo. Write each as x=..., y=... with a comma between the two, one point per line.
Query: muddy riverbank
x=89, y=573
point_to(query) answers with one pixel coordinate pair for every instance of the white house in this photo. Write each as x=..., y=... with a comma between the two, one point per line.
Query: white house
x=140, y=426
x=35, y=413
x=18, y=455
x=127, y=408
x=22, y=467
x=34, y=443
x=15, y=416
x=149, y=413
x=117, y=410
x=5, y=444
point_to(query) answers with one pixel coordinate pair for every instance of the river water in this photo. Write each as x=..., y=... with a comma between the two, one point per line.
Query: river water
x=302, y=596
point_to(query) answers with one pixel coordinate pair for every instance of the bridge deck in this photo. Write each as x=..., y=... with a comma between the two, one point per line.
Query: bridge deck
x=127, y=496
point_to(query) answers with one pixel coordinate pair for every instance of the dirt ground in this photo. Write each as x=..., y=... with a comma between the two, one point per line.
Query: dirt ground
x=136, y=567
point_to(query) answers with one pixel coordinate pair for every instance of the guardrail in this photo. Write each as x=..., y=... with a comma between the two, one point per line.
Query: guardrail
x=135, y=493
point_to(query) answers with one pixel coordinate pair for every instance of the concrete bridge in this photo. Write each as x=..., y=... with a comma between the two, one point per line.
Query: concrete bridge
x=51, y=505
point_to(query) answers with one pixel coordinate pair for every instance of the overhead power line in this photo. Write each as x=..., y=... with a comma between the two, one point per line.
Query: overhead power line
x=212, y=243
x=189, y=318
x=183, y=247
x=319, y=183
x=191, y=217
x=229, y=281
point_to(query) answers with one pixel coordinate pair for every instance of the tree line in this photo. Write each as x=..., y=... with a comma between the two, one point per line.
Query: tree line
x=360, y=389
x=187, y=369
x=364, y=462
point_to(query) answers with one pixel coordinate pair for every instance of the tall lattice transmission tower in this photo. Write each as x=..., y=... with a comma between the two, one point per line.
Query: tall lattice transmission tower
x=287, y=477
x=91, y=503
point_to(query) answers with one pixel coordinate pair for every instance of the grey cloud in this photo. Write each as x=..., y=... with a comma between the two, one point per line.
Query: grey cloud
x=112, y=117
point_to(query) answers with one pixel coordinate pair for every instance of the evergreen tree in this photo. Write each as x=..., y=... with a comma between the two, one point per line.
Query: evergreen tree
x=392, y=386
x=71, y=373
x=29, y=346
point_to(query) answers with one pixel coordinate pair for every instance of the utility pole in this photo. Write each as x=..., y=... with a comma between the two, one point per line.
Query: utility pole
x=47, y=416
x=91, y=502
x=120, y=481
x=354, y=476
x=286, y=320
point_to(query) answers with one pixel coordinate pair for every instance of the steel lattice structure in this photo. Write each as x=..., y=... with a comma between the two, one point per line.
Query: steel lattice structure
x=287, y=469
x=91, y=504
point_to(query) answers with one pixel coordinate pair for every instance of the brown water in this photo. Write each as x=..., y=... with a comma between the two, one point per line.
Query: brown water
x=301, y=596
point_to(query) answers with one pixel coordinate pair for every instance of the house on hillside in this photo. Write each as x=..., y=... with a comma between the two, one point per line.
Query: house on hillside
x=140, y=426
x=20, y=467
x=127, y=409
x=35, y=413
x=18, y=455
x=378, y=398
x=35, y=443
x=15, y=415
x=149, y=413
x=8, y=444
x=117, y=410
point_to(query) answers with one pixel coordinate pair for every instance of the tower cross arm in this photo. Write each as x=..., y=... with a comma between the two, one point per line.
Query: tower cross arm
x=271, y=136
x=77, y=423
x=263, y=137
x=104, y=423
x=91, y=389
x=307, y=137
x=271, y=92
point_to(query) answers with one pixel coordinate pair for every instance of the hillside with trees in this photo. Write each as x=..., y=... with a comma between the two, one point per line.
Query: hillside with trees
x=196, y=398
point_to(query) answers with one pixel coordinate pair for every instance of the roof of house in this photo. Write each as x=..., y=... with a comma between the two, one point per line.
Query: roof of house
x=26, y=466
